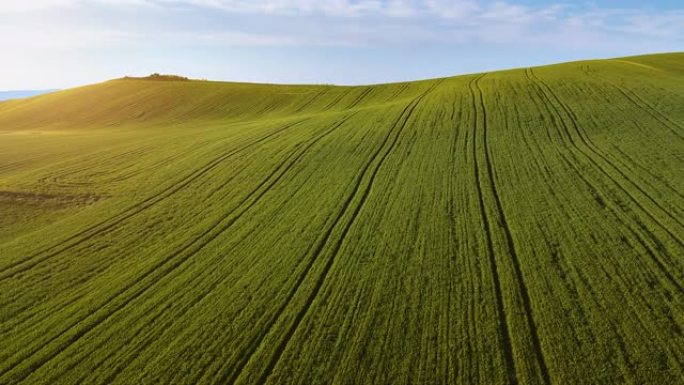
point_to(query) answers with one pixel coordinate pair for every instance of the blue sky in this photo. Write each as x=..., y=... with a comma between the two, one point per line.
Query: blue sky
x=64, y=43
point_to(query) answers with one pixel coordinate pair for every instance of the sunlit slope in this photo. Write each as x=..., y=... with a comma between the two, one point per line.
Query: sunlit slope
x=134, y=101
x=523, y=226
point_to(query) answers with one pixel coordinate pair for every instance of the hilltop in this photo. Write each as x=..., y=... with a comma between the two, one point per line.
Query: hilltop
x=521, y=226
x=157, y=77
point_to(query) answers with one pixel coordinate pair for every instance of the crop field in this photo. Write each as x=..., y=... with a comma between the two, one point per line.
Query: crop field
x=514, y=227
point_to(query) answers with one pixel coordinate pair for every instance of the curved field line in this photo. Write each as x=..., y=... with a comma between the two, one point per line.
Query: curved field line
x=503, y=326
x=313, y=141
x=470, y=328
x=642, y=104
x=232, y=376
x=398, y=91
x=656, y=177
x=335, y=251
x=522, y=287
x=234, y=219
x=282, y=168
x=545, y=91
x=170, y=189
x=634, y=233
x=62, y=181
x=102, y=155
x=451, y=183
x=594, y=149
x=121, y=292
x=75, y=298
x=334, y=102
x=153, y=166
x=594, y=190
x=31, y=317
x=131, y=211
x=360, y=97
x=311, y=100
x=638, y=64
x=247, y=235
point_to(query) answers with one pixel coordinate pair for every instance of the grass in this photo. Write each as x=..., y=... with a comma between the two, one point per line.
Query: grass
x=523, y=226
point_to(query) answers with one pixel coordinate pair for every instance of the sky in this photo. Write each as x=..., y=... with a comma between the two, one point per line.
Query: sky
x=65, y=43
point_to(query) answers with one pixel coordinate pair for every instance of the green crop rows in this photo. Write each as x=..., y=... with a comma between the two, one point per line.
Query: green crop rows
x=523, y=226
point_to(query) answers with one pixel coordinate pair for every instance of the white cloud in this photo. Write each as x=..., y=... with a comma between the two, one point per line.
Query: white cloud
x=46, y=23
x=67, y=38
x=480, y=16
x=452, y=9
x=285, y=7
x=31, y=6
x=400, y=8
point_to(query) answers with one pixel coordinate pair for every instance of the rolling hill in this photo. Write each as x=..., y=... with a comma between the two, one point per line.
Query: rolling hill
x=522, y=226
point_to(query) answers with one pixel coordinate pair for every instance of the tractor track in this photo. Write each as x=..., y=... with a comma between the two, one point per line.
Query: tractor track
x=178, y=252
x=569, y=116
x=503, y=223
x=137, y=208
x=290, y=163
x=595, y=192
x=400, y=123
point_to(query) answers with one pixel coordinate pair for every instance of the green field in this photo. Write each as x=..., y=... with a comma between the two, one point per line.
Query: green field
x=522, y=226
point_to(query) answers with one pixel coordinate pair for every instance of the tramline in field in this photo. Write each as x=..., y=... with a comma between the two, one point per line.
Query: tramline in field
x=521, y=226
